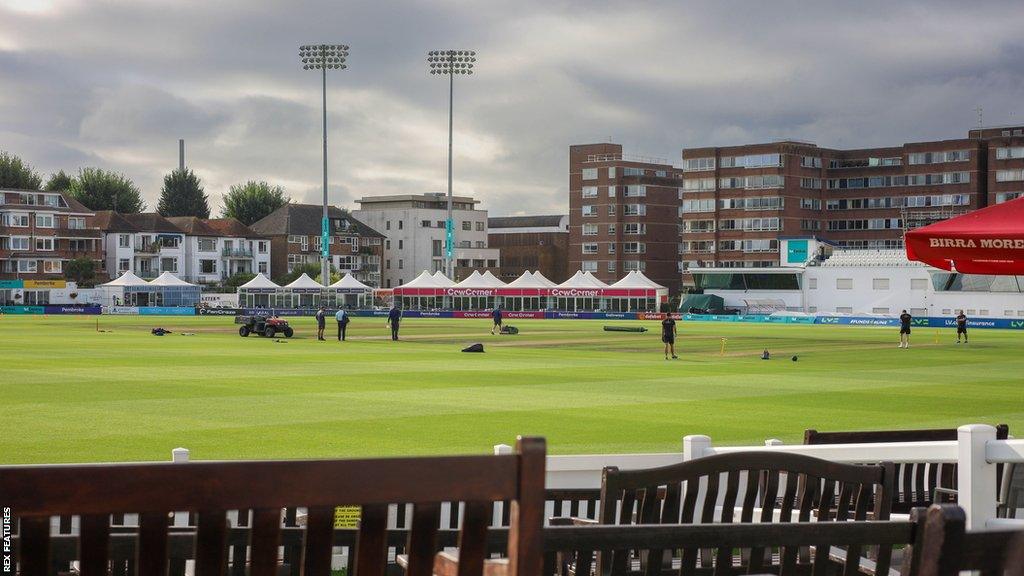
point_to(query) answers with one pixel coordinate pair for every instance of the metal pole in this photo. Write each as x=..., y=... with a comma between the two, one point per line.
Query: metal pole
x=325, y=264
x=451, y=223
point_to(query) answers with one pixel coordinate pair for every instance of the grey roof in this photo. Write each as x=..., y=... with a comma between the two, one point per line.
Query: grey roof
x=193, y=226
x=151, y=222
x=304, y=220
x=546, y=221
x=110, y=221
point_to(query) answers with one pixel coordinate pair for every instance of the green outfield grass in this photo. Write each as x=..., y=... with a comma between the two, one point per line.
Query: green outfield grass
x=69, y=393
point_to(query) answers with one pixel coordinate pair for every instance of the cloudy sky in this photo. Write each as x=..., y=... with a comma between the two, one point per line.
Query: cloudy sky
x=114, y=84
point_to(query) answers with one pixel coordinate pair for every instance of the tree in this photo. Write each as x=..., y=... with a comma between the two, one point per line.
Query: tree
x=99, y=189
x=236, y=280
x=182, y=195
x=80, y=270
x=312, y=270
x=16, y=175
x=58, y=182
x=251, y=202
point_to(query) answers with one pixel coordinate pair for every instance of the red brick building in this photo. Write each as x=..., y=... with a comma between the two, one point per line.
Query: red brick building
x=534, y=243
x=623, y=214
x=40, y=232
x=1005, y=161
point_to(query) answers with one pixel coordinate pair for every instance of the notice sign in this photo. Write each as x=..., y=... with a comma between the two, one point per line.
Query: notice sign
x=347, y=516
x=796, y=252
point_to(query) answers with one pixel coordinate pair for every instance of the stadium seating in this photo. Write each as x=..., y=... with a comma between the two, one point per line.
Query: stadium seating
x=853, y=258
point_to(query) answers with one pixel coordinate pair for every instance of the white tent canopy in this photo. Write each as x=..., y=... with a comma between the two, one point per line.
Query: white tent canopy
x=491, y=281
x=527, y=280
x=167, y=279
x=304, y=281
x=471, y=281
x=349, y=281
x=127, y=279
x=583, y=280
x=260, y=281
x=424, y=280
x=543, y=280
x=443, y=280
x=636, y=279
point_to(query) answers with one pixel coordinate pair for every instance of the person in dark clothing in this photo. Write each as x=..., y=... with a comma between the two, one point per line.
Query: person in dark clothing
x=961, y=327
x=321, y=323
x=496, y=314
x=394, y=319
x=668, y=336
x=905, y=320
x=342, y=318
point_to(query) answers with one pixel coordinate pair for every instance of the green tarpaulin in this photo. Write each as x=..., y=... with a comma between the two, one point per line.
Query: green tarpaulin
x=710, y=302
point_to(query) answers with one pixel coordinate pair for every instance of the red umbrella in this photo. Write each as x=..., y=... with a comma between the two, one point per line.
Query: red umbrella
x=986, y=241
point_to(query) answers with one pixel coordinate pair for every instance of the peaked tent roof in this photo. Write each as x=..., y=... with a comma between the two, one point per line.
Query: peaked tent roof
x=472, y=281
x=986, y=241
x=127, y=279
x=167, y=279
x=424, y=280
x=636, y=279
x=544, y=280
x=582, y=280
x=260, y=281
x=491, y=280
x=443, y=280
x=527, y=280
x=349, y=281
x=304, y=281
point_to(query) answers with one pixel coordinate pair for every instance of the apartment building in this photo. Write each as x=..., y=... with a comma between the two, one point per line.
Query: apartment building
x=41, y=231
x=1005, y=161
x=738, y=201
x=534, y=243
x=294, y=231
x=623, y=214
x=414, y=227
x=147, y=244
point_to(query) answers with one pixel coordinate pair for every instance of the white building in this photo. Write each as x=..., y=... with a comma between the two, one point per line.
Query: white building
x=217, y=249
x=861, y=282
x=414, y=230
x=145, y=244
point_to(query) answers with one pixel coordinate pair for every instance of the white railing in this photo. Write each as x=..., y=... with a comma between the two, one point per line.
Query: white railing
x=976, y=451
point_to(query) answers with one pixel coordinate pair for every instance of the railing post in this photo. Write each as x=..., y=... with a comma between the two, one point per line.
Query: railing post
x=502, y=449
x=773, y=442
x=695, y=446
x=179, y=455
x=976, y=477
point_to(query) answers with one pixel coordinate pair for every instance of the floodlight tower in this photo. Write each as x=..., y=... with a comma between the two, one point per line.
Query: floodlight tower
x=450, y=63
x=324, y=57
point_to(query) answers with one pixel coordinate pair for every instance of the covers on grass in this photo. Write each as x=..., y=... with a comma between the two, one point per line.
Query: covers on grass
x=707, y=302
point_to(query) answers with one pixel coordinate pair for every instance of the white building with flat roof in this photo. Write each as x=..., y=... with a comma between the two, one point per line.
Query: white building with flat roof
x=414, y=230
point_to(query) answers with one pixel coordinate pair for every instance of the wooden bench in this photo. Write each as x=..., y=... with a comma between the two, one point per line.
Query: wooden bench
x=942, y=547
x=210, y=489
x=757, y=487
x=916, y=485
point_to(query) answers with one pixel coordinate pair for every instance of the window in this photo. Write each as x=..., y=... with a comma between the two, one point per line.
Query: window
x=701, y=205
x=589, y=266
x=613, y=209
x=44, y=220
x=51, y=267
x=1007, y=196
x=634, y=228
x=44, y=244
x=1009, y=175
x=210, y=245
x=262, y=267
x=611, y=191
x=590, y=173
x=810, y=203
x=810, y=225
x=17, y=220
x=611, y=172
x=635, y=210
x=435, y=248
x=401, y=263
x=590, y=229
x=19, y=243
x=634, y=248
x=844, y=283
x=425, y=224
x=878, y=310
x=918, y=283
x=169, y=264
x=810, y=162
x=401, y=244
x=400, y=224
x=27, y=265
x=611, y=265
x=590, y=248
x=480, y=244
x=1008, y=153
x=636, y=191
x=590, y=191
x=589, y=210
x=261, y=246
x=879, y=283
x=292, y=239
x=465, y=244
x=479, y=226
x=812, y=283
x=208, y=266
x=387, y=264
x=751, y=161
x=76, y=223
x=630, y=265
x=698, y=164
x=611, y=248
x=611, y=229
x=441, y=224
x=698, y=184
x=940, y=157
x=387, y=225
x=811, y=183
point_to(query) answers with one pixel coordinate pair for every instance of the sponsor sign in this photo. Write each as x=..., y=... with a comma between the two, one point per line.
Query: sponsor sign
x=73, y=309
x=45, y=284
x=470, y=292
x=11, y=284
x=988, y=243
x=122, y=310
x=219, y=311
x=796, y=251
x=576, y=292
x=23, y=309
x=167, y=311
x=521, y=314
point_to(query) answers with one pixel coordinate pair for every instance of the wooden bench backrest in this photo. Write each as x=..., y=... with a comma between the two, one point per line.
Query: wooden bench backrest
x=210, y=489
x=693, y=492
x=943, y=547
x=914, y=483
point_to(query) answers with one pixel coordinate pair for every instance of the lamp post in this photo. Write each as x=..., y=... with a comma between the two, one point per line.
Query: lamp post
x=450, y=63
x=324, y=57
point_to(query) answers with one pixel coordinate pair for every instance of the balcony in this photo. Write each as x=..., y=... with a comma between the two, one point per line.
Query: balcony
x=151, y=248
x=147, y=274
x=236, y=253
